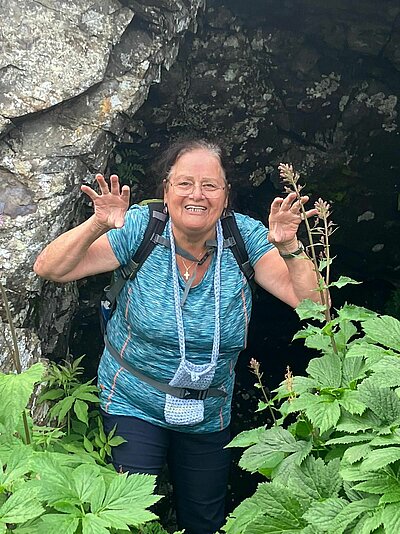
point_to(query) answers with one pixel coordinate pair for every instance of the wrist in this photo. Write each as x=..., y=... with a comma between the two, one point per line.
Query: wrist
x=295, y=249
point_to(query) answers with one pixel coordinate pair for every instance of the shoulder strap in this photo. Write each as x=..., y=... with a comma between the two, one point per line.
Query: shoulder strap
x=234, y=237
x=157, y=221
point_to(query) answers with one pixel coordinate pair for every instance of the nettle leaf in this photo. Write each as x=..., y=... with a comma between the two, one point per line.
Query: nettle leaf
x=309, y=330
x=259, y=457
x=20, y=507
x=280, y=503
x=326, y=370
x=382, y=401
x=343, y=281
x=350, y=400
x=391, y=496
x=346, y=332
x=61, y=523
x=391, y=518
x=322, y=410
x=15, y=392
x=350, y=312
x=308, y=309
x=369, y=523
x=353, y=368
x=387, y=371
x=321, y=342
x=316, y=480
x=384, y=330
x=351, y=512
x=248, y=437
x=372, y=353
x=321, y=514
x=349, y=439
x=390, y=439
x=379, y=458
x=354, y=454
x=380, y=484
x=353, y=423
x=247, y=512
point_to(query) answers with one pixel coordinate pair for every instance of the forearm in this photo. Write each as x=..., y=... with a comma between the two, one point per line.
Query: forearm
x=62, y=257
x=303, y=277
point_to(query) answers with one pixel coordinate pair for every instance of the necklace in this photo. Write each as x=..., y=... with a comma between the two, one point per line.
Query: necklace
x=186, y=274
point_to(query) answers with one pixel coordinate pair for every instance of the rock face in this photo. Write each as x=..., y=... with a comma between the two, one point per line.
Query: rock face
x=301, y=81
x=72, y=73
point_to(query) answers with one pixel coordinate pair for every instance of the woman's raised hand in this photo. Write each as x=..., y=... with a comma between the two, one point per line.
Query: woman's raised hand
x=285, y=218
x=111, y=204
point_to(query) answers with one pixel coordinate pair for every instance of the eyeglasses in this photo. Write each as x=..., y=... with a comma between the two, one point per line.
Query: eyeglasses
x=184, y=188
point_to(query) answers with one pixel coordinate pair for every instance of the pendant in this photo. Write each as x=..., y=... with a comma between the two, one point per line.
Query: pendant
x=186, y=275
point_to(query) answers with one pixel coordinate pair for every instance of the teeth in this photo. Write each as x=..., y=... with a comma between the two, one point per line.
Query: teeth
x=195, y=208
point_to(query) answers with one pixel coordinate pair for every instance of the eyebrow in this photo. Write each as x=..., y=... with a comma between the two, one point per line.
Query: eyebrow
x=192, y=177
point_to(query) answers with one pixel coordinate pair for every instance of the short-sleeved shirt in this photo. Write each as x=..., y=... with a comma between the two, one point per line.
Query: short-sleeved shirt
x=143, y=328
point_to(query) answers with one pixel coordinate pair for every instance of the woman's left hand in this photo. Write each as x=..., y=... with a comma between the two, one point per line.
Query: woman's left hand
x=285, y=218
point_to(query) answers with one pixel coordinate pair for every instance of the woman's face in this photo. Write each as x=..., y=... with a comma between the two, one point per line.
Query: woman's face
x=196, y=213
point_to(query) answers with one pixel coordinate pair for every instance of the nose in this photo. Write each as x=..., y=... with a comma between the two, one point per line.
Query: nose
x=197, y=191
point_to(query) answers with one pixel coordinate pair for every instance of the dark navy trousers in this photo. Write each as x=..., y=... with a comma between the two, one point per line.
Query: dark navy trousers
x=198, y=465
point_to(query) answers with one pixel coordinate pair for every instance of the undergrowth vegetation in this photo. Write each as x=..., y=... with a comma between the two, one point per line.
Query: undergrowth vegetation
x=332, y=457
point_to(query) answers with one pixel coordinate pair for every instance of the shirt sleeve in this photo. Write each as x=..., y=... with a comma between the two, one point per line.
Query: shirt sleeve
x=125, y=241
x=255, y=237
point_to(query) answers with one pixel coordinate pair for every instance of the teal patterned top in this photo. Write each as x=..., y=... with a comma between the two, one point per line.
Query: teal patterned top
x=143, y=327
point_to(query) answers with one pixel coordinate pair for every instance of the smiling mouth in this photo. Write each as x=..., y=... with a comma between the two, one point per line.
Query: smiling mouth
x=195, y=209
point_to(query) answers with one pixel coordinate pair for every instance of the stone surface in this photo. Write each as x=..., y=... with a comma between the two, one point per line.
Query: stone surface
x=72, y=73
x=301, y=81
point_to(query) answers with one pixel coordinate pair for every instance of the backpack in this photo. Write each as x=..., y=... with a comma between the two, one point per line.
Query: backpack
x=152, y=236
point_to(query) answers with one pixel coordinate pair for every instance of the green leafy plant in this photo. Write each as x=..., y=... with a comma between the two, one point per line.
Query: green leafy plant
x=332, y=458
x=44, y=487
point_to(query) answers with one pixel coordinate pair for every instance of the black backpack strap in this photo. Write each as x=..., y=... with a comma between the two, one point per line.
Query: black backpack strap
x=157, y=222
x=235, y=241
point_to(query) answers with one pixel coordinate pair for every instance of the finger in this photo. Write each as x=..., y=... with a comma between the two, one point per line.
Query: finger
x=311, y=213
x=126, y=193
x=114, y=181
x=276, y=205
x=288, y=201
x=102, y=184
x=89, y=192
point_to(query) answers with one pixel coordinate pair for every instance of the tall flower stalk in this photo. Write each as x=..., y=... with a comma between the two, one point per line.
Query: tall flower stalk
x=324, y=259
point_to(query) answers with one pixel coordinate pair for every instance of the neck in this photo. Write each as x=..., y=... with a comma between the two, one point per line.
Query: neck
x=193, y=243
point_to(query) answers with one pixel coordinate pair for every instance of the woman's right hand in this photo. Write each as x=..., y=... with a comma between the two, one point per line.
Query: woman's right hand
x=111, y=204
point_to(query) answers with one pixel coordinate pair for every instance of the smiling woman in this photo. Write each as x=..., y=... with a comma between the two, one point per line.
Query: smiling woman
x=182, y=321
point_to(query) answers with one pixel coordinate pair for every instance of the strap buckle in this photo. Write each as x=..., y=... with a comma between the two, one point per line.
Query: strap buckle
x=196, y=394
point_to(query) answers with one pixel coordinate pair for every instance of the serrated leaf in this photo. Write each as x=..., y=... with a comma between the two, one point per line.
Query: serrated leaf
x=84, y=478
x=350, y=312
x=247, y=437
x=391, y=518
x=281, y=504
x=316, y=480
x=349, y=439
x=22, y=506
x=319, y=342
x=353, y=369
x=15, y=392
x=372, y=353
x=384, y=441
x=380, y=458
x=390, y=496
x=355, y=453
x=382, y=401
x=321, y=514
x=322, y=410
x=343, y=281
x=346, y=331
x=387, y=371
x=353, y=423
x=92, y=524
x=350, y=400
x=242, y=515
x=384, y=330
x=260, y=457
x=52, y=523
x=326, y=370
x=351, y=512
x=308, y=309
x=380, y=484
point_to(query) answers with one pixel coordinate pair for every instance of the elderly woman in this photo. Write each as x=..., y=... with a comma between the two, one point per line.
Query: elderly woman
x=180, y=322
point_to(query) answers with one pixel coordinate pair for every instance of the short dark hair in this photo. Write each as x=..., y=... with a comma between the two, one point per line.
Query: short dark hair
x=178, y=148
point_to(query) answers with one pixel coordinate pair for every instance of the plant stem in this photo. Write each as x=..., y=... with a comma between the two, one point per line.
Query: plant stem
x=15, y=354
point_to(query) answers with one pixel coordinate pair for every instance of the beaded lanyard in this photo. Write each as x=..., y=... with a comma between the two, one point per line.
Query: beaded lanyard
x=217, y=298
